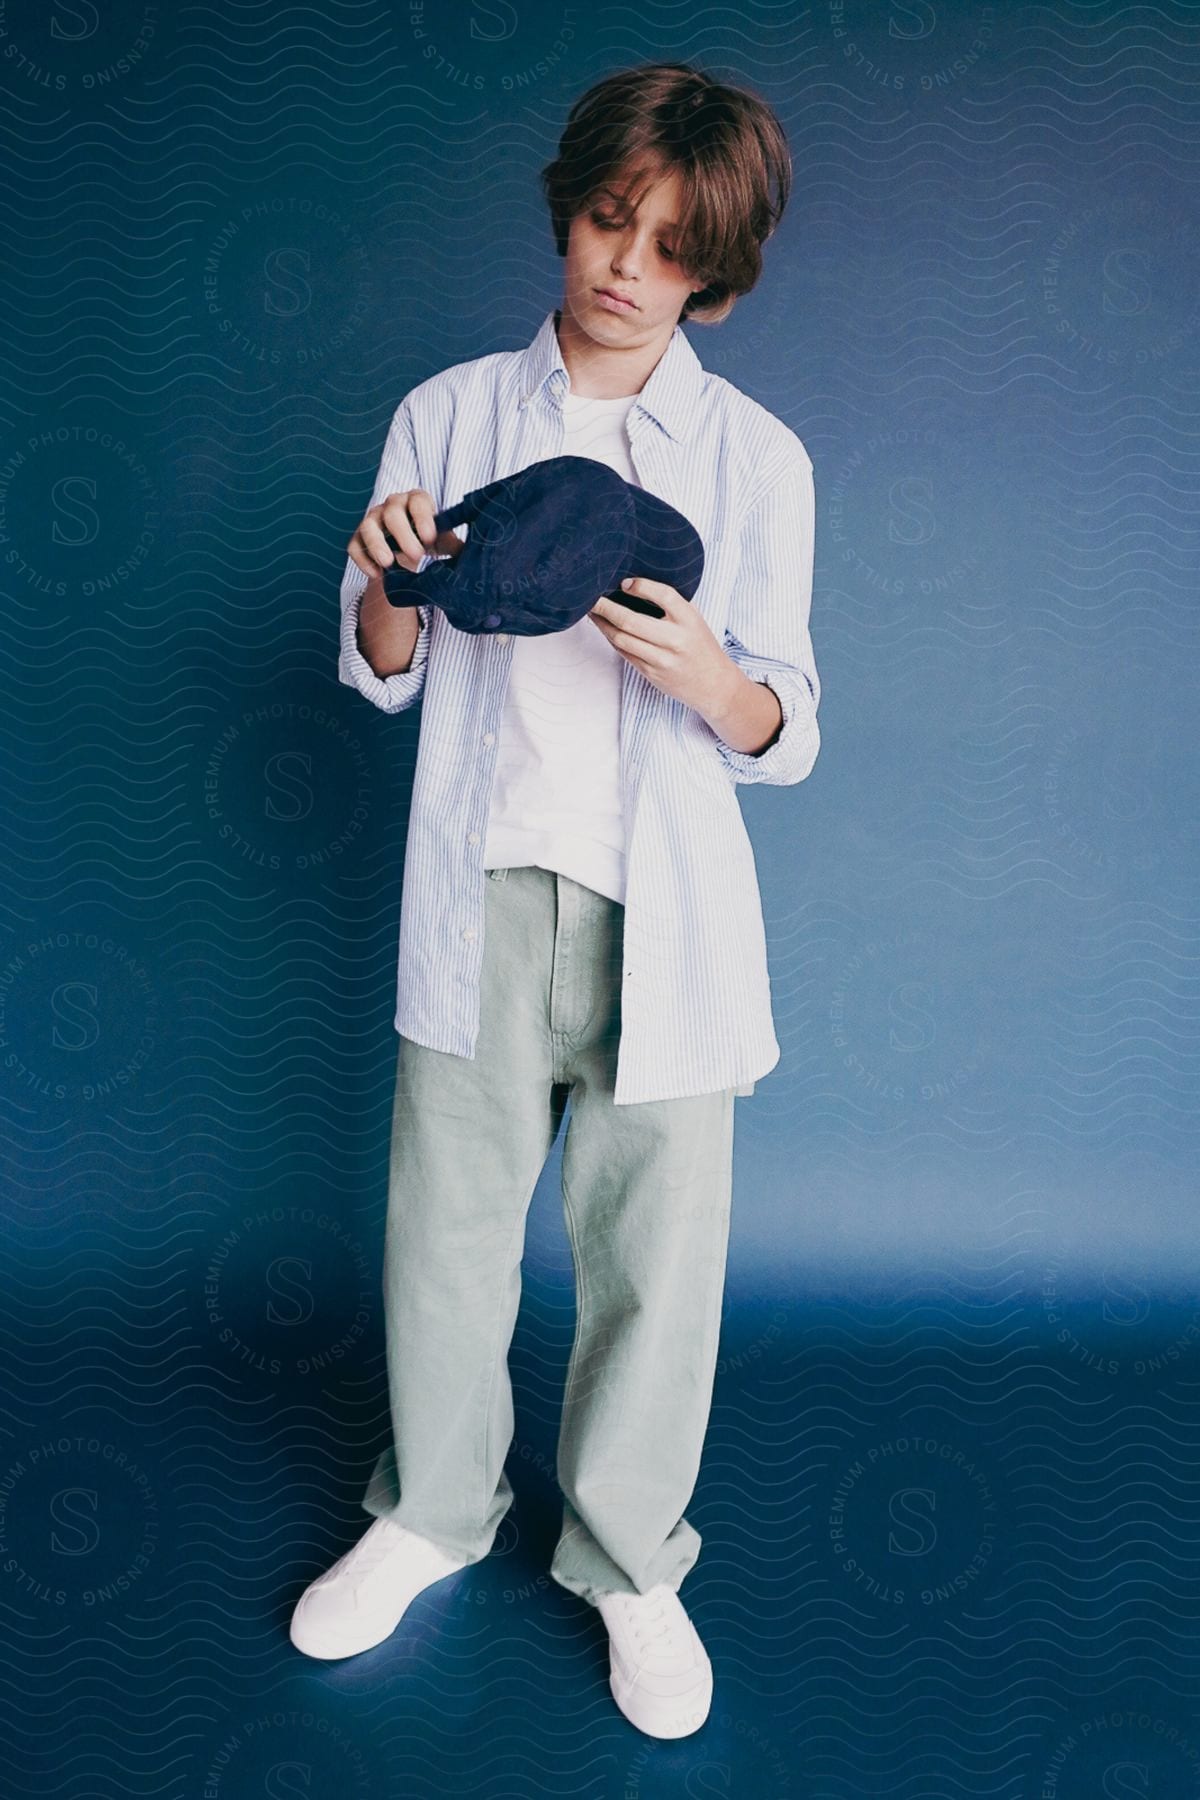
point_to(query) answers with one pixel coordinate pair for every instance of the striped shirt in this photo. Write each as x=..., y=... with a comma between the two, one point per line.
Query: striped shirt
x=695, y=991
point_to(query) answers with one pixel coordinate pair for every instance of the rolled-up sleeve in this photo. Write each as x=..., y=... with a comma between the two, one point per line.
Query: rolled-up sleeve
x=399, y=472
x=766, y=632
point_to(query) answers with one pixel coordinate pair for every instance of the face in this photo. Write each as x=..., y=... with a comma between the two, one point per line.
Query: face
x=633, y=254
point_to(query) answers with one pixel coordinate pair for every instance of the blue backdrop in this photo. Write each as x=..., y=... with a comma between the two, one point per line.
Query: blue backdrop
x=948, y=1501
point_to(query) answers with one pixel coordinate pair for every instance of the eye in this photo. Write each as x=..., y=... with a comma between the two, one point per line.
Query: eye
x=608, y=224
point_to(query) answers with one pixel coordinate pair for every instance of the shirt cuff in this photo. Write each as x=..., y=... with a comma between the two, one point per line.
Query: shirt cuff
x=391, y=693
x=792, y=755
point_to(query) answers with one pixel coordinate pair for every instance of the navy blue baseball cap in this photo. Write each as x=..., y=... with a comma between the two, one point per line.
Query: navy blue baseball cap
x=545, y=544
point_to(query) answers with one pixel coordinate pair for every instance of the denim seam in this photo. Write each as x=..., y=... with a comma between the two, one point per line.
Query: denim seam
x=714, y=1327
x=581, y=1298
x=501, y=1354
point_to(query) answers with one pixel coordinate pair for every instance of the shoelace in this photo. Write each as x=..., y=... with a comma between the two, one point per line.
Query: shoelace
x=642, y=1619
x=368, y=1555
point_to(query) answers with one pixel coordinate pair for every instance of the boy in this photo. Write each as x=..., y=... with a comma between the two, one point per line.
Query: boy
x=580, y=911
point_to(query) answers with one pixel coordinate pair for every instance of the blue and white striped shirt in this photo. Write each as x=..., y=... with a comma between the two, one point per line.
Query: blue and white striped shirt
x=695, y=991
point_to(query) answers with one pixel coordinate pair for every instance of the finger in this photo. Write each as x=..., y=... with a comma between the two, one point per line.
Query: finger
x=371, y=536
x=643, y=651
x=394, y=517
x=359, y=557
x=421, y=510
x=660, y=592
x=647, y=627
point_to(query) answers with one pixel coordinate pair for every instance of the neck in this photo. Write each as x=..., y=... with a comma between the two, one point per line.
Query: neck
x=599, y=373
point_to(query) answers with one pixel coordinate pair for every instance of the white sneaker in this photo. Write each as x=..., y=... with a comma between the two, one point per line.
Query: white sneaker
x=660, y=1674
x=361, y=1599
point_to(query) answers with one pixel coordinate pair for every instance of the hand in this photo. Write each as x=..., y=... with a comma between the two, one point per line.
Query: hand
x=677, y=654
x=408, y=519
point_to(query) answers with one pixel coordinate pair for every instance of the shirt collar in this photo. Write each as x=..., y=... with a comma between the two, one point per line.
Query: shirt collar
x=670, y=395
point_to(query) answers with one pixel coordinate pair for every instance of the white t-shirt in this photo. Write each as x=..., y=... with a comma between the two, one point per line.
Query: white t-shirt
x=556, y=796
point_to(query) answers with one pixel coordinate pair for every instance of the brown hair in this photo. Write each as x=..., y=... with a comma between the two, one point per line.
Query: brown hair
x=727, y=147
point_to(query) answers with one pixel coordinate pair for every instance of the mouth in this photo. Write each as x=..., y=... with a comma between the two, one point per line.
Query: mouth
x=617, y=302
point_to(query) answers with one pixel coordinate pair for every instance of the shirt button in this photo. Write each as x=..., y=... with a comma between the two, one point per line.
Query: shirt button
x=472, y=837
x=502, y=637
x=470, y=932
x=489, y=737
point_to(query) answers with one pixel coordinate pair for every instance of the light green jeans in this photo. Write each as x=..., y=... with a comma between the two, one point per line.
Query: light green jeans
x=646, y=1195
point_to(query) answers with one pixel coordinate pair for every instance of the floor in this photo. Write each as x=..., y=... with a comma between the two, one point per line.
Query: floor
x=950, y=1548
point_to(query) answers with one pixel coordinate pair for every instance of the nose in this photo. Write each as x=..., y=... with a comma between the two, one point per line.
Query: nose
x=626, y=256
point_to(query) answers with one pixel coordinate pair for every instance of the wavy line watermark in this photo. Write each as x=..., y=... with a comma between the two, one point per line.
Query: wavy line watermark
x=894, y=510
x=72, y=47
x=287, y=788
x=80, y=1018
x=79, y=513
x=491, y=47
x=729, y=1755
x=1109, y=801
x=1121, y=1753
x=290, y=1750
x=287, y=280
x=913, y=1523
x=901, y=1034
x=1115, y=284
x=271, y=1282
x=910, y=50
x=80, y=1524
x=1125, y=1327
